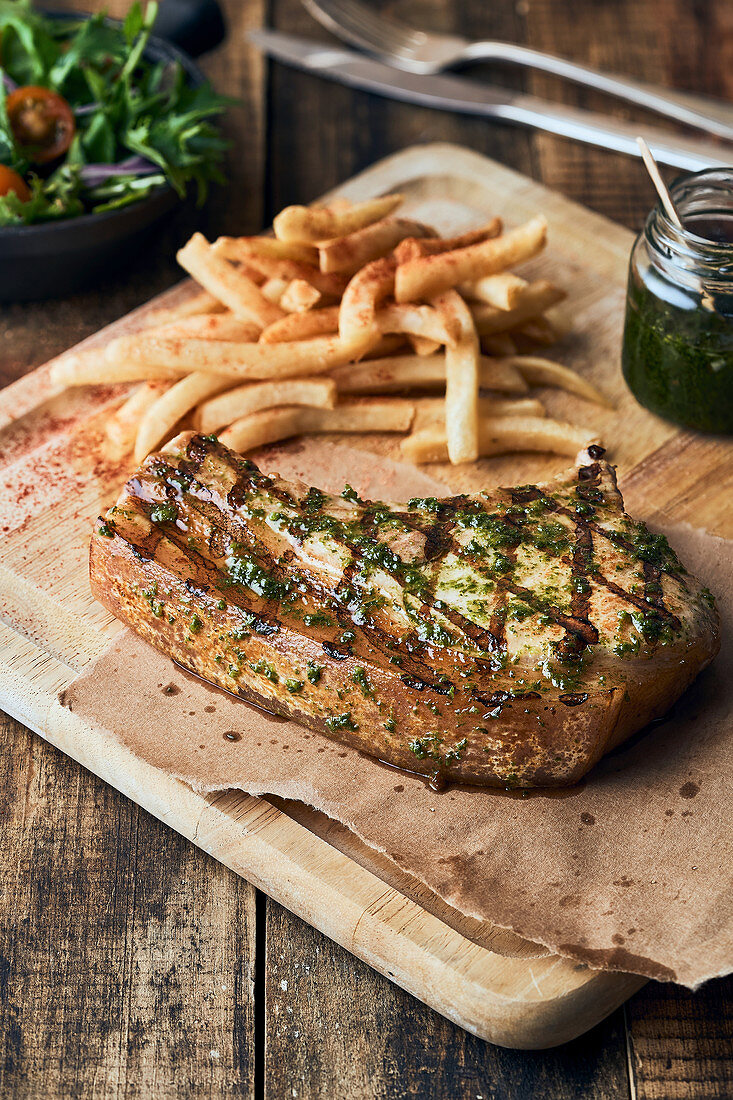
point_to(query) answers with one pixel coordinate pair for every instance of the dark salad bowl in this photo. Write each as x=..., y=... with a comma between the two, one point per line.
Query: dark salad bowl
x=56, y=258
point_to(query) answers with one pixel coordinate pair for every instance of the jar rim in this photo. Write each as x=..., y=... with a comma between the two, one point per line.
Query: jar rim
x=716, y=184
x=707, y=192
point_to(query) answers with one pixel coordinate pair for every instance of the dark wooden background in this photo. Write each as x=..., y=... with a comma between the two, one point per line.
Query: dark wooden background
x=133, y=965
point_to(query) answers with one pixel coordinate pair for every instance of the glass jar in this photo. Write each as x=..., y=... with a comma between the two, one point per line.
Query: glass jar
x=678, y=336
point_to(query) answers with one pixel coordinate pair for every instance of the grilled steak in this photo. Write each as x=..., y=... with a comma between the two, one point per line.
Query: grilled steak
x=508, y=638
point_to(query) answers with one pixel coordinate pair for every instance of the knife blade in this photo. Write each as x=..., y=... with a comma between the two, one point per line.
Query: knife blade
x=454, y=93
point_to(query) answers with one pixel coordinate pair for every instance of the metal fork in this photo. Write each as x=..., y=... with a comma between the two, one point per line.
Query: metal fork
x=418, y=51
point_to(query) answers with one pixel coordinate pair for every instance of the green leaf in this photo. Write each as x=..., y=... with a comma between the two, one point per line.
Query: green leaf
x=99, y=142
x=124, y=190
x=133, y=23
x=27, y=48
x=8, y=152
x=137, y=50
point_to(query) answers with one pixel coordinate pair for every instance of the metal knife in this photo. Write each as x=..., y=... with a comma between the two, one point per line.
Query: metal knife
x=454, y=93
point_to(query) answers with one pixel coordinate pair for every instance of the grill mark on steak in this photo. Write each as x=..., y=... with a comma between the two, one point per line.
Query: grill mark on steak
x=588, y=478
x=585, y=630
x=497, y=622
x=652, y=586
x=386, y=645
x=523, y=494
x=439, y=542
x=224, y=531
x=574, y=642
x=654, y=594
x=612, y=536
x=638, y=601
x=376, y=638
x=269, y=624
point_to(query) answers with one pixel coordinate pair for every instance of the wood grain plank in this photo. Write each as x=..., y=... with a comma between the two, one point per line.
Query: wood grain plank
x=663, y=43
x=702, y=491
x=334, y=1028
x=237, y=69
x=126, y=956
x=682, y=1042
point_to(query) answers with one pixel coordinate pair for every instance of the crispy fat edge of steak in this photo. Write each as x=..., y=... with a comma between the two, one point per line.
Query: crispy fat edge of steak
x=518, y=741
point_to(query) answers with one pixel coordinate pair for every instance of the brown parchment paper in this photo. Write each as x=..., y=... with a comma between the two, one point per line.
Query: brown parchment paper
x=632, y=870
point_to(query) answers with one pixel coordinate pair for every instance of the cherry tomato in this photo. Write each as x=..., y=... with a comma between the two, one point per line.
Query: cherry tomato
x=42, y=123
x=11, y=181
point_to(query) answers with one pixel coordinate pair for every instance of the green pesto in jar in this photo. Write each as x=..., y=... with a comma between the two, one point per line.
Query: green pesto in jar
x=678, y=336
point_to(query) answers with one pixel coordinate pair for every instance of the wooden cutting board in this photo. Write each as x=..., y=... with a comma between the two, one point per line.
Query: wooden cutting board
x=58, y=469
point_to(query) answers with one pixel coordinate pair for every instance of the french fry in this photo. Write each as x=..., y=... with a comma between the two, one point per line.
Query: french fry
x=348, y=254
x=430, y=275
x=132, y=355
x=403, y=372
x=503, y=290
x=226, y=282
x=315, y=224
x=302, y=326
x=412, y=248
x=300, y=296
x=544, y=372
x=431, y=409
x=385, y=345
x=210, y=326
x=199, y=303
x=268, y=266
x=461, y=380
x=161, y=417
x=365, y=291
x=419, y=321
x=423, y=345
x=122, y=424
x=502, y=435
x=272, y=425
x=241, y=249
x=536, y=298
x=505, y=406
x=94, y=368
x=254, y=396
x=274, y=288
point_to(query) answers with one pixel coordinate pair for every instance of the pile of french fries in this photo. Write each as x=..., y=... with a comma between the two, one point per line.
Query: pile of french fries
x=319, y=327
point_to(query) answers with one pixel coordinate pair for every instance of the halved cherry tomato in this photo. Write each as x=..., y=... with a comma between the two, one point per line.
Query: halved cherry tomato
x=42, y=123
x=11, y=181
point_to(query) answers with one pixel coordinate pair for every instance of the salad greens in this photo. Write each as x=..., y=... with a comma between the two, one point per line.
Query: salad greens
x=138, y=124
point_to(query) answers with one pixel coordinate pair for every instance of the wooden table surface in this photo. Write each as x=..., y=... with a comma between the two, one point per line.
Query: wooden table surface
x=131, y=964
